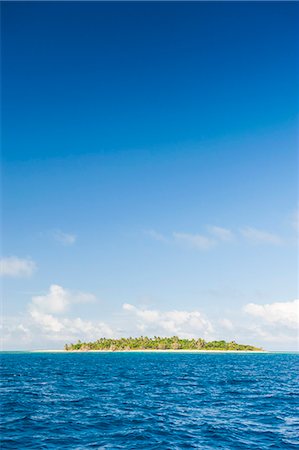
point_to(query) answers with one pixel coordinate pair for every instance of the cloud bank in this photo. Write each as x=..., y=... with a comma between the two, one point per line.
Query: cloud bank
x=281, y=313
x=187, y=324
x=50, y=322
x=47, y=314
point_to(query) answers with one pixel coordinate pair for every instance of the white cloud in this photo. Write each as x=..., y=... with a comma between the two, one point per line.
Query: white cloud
x=67, y=329
x=195, y=241
x=50, y=321
x=47, y=322
x=64, y=238
x=16, y=267
x=182, y=323
x=260, y=236
x=13, y=331
x=279, y=313
x=58, y=300
x=223, y=234
x=277, y=337
x=156, y=236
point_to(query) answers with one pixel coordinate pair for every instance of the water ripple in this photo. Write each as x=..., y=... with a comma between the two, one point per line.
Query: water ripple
x=149, y=401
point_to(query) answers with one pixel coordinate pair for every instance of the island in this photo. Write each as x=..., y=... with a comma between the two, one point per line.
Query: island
x=144, y=343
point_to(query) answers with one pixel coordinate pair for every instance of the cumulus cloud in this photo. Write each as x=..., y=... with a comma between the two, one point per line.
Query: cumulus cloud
x=46, y=322
x=279, y=338
x=47, y=317
x=195, y=241
x=175, y=322
x=16, y=267
x=55, y=301
x=223, y=234
x=44, y=330
x=281, y=313
x=261, y=236
x=67, y=329
x=66, y=239
x=50, y=319
x=275, y=324
x=58, y=300
x=12, y=330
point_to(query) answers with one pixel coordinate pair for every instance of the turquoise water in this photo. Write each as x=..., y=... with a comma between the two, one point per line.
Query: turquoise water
x=149, y=401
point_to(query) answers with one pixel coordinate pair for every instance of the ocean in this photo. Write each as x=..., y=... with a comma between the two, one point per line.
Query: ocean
x=149, y=401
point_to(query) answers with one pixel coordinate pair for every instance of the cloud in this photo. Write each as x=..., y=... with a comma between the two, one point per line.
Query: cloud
x=16, y=267
x=47, y=331
x=279, y=313
x=226, y=324
x=278, y=337
x=272, y=326
x=58, y=300
x=175, y=322
x=67, y=329
x=66, y=239
x=12, y=330
x=46, y=322
x=156, y=236
x=45, y=311
x=221, y=233
x=49, y=320
x=195, y=241
x=260, y=236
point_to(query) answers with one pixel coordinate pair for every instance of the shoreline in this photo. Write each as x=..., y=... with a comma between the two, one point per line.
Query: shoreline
x=148, y=351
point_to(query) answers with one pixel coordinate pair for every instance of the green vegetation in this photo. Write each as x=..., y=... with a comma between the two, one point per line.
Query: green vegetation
x=157, y=343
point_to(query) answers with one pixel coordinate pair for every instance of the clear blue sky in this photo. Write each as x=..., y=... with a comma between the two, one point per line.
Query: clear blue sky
x=130, y=132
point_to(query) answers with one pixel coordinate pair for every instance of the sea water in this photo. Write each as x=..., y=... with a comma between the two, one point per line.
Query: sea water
x=149, y=401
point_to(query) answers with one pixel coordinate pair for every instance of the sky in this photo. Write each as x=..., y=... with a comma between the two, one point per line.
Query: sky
x=149, y=172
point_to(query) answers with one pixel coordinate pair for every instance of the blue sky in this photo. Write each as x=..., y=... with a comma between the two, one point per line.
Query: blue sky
x=150, y=172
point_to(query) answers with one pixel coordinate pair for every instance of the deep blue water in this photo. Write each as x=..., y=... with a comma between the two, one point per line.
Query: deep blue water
x=149, y=401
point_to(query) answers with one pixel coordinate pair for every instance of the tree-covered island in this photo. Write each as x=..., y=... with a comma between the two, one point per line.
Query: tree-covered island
x=158, y=343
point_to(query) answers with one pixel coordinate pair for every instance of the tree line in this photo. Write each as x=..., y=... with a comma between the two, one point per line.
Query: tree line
x=157, y=343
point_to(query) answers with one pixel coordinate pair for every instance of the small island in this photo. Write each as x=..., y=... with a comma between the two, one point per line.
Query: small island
x=144, y=343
